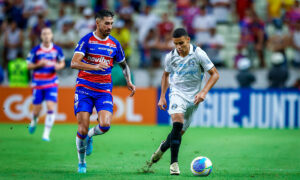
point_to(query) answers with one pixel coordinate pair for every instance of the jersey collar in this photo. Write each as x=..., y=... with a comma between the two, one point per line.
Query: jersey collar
x=191, y=50
x=99, y=37
x=46, y=48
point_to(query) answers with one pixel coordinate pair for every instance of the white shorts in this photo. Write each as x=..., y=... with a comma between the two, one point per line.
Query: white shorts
x=181, y=105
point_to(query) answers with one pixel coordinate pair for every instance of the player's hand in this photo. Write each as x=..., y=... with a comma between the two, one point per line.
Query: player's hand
x=131, y=87
x=199, y=97
x=102, y=66
x=162, y=104
x=42, y=63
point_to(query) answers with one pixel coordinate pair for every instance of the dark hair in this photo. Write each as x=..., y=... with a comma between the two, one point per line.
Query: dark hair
x=104, y=13
x=179, y=32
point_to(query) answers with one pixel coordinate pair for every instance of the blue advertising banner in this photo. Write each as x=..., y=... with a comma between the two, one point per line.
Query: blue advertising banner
x=249, y=108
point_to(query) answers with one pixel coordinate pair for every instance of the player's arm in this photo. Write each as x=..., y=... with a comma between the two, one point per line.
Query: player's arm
x=77, y=64
x=214, y=76
x=37, y=65
x=162, y=103
x=127, y=75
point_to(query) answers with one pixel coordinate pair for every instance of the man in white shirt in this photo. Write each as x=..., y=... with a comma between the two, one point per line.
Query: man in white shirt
x=184, y=67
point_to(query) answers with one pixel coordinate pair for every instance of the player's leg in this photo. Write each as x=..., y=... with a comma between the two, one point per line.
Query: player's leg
x=83, y=107
x=51, y=99
x=50, y=119
x=104, y=107
x=83, y=119
x=37, y=95
x=175, y=141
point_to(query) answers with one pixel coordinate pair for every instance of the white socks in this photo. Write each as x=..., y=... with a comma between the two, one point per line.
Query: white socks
x=81, y=144
x=98, y=130
x=34, y=121
x=50, y=118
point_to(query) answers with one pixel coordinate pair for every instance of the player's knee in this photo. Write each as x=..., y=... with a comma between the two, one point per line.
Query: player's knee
x=83, y=130
x=104, y=128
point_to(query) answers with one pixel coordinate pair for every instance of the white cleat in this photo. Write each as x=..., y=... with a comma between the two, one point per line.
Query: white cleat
x=174, y=169
x=156, y=156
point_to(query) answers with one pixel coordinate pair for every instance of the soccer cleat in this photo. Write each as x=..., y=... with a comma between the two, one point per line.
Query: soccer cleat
x=174, y=169
x=82, y=168
x=31, y=129
x=156, y=156
x=89, y=147
x=46, y=139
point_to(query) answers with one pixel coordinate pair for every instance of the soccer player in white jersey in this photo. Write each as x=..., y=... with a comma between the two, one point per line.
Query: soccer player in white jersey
x=184, y=67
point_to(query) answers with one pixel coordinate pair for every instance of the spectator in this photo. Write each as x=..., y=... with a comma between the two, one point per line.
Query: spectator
x=143, y=23
x=293, y=15
x=166, y=26
x=278, y=74
x=81, y=5
x=201, y=25
x=121, y=33
x=278, y=42
x=240, y=54
x=35, y=32
x=126, y=12
x=66, y=39
x=295, y=42
x=213, y=46
x=253, y=36
x=152, y=51
x=13, y=41
x=221, y=10
x=274, y=10
x=18, y=74
x=188, y=16
x=14, y=10
x=241, y=7
x=244, y=77
x=33, y=9
x=86, y=24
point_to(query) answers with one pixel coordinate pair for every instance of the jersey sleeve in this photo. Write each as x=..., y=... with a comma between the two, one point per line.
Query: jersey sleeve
x=82, y=46
x=204, y=60
x=167, y=63
x=120, y=56
x=31, y=57
x=60, y=55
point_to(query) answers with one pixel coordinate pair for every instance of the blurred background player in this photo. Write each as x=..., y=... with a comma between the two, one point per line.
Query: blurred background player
x=45, y=59
x=94, y=57
x=184, y=67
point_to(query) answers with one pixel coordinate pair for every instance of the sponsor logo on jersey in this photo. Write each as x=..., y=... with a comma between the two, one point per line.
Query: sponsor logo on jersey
x=98, y=60
x=109, y=51
x=174, y=106
x=81, y=45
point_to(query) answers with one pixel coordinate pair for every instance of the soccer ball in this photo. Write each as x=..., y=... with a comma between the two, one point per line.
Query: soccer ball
x=201, y=166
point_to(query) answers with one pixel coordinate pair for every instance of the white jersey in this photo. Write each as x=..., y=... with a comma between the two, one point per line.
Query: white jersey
x=186, y=72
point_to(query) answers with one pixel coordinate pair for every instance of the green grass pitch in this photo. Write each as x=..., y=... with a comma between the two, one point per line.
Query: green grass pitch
x=124, y=150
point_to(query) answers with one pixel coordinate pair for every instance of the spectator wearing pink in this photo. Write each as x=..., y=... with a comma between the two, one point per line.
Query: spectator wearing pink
x=33, y=8
x=85, y=24
x=188, y=16
x=13, y=41
x=181, y=6
x=221, y=10
x=293, y=15
x=201, y=25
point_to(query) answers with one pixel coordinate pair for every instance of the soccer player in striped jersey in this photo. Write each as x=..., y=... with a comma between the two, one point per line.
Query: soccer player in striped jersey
x=184, y=68
x=94, y=56
x=44, y=60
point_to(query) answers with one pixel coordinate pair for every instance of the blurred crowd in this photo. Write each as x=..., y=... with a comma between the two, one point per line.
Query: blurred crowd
x=144, y=29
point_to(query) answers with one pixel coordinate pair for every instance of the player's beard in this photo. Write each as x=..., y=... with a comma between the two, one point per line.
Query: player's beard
x=105, y=33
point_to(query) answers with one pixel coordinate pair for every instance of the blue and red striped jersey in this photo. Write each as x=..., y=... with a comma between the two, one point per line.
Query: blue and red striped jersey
x=95, y=50
x=45, y=77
